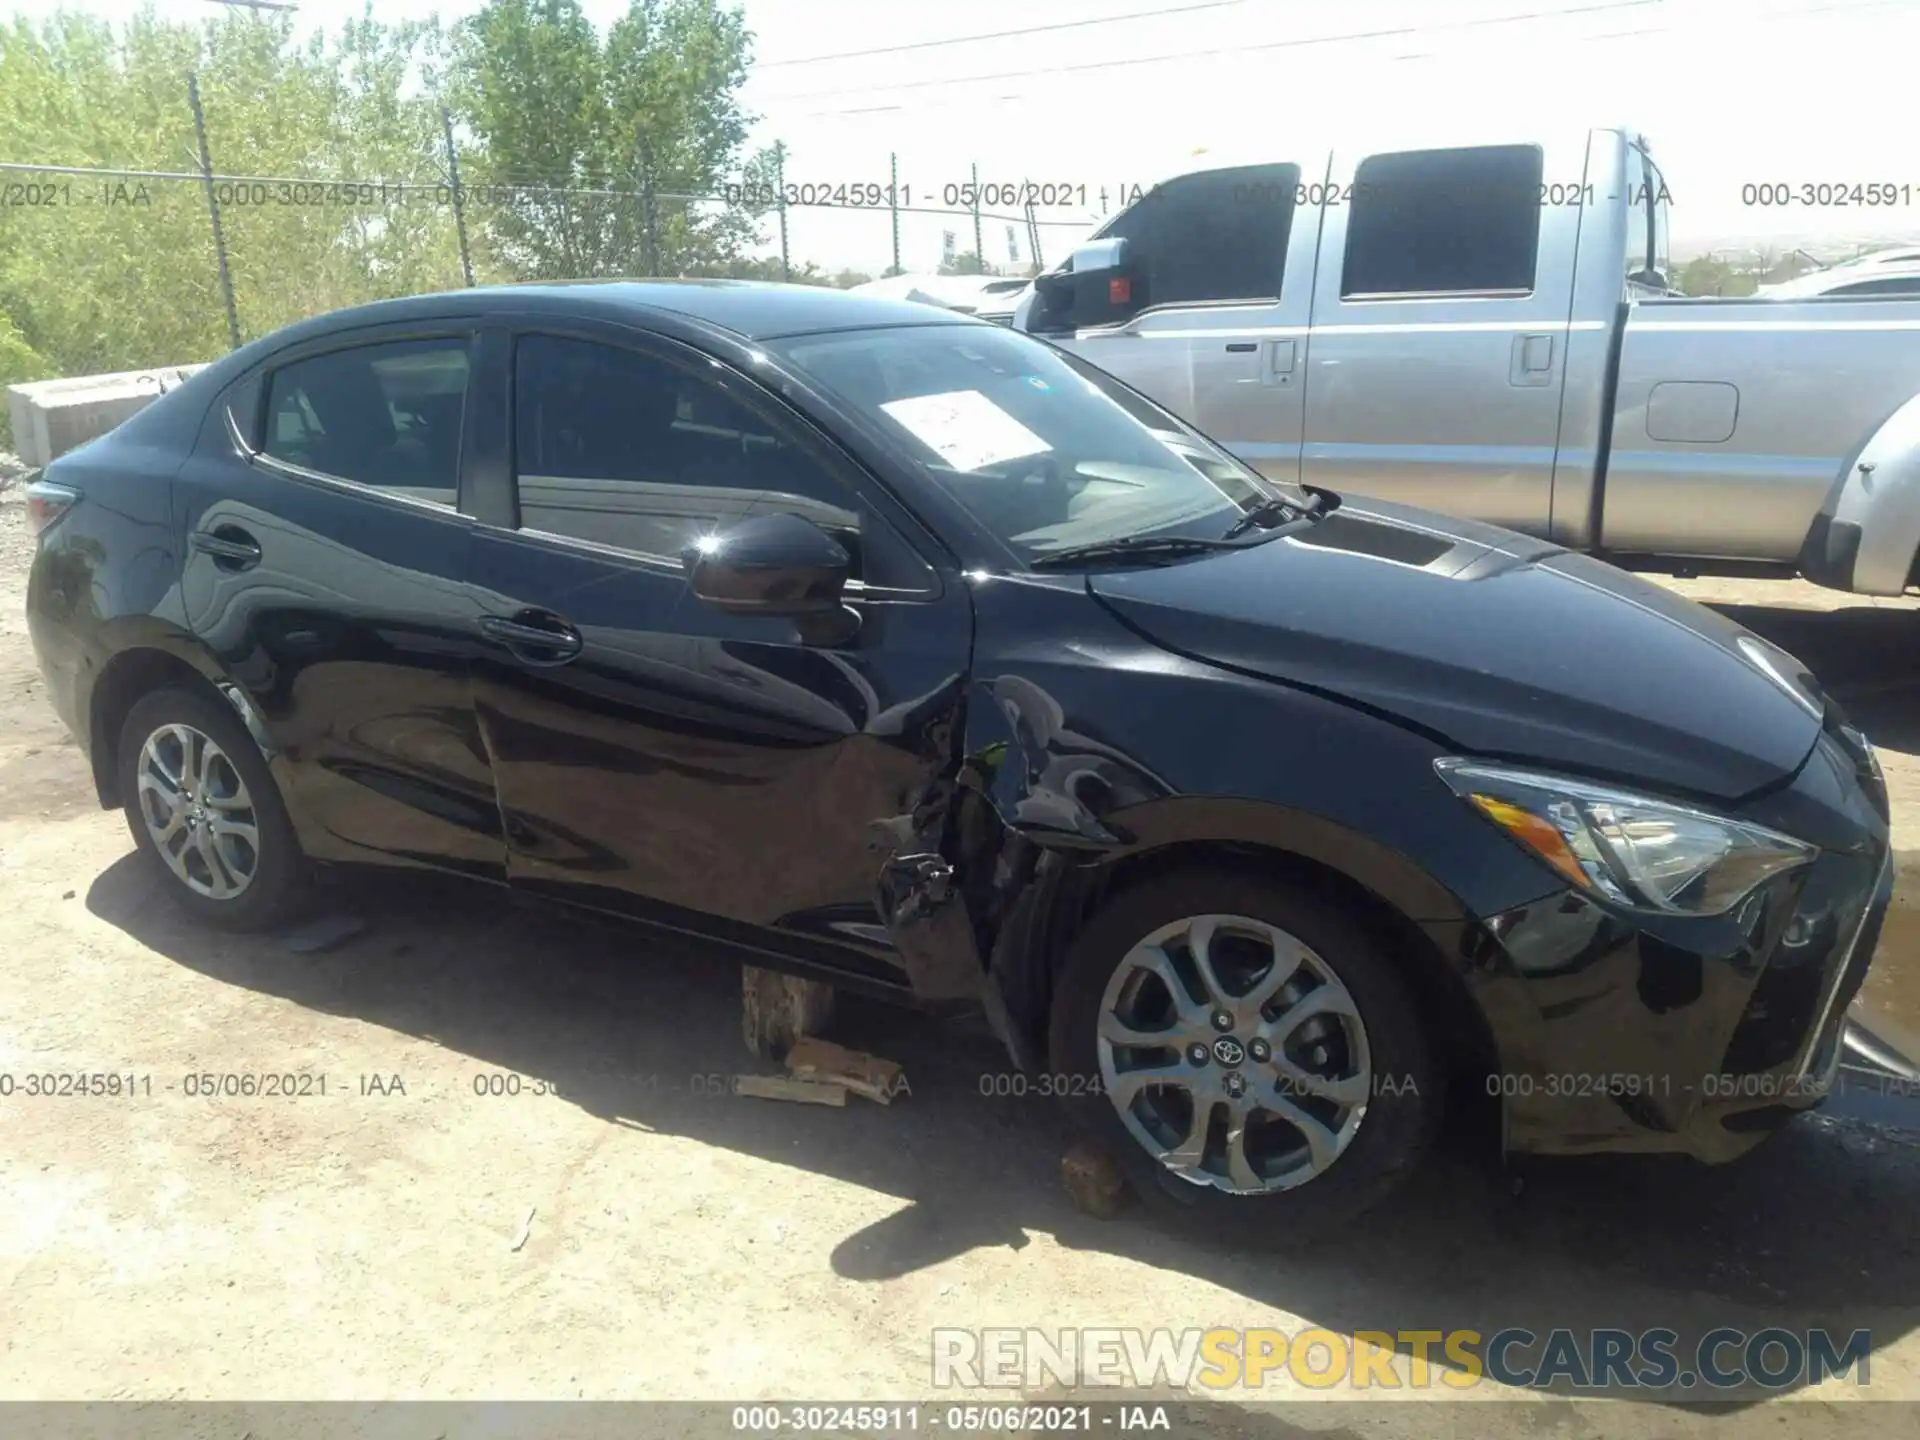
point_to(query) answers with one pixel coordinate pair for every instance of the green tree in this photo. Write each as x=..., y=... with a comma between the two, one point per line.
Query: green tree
x=1706, y=275
x=104, y=273
x=651, y=110
x=112, y=274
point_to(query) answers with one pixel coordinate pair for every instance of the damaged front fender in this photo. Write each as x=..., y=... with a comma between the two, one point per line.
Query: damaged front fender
x=970, y=879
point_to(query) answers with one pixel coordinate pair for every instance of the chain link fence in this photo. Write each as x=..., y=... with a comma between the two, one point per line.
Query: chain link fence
x=147, y=267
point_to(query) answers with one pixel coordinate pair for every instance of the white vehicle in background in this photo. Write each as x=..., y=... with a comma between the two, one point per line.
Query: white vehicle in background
x=1894, y=273
x=991, y=297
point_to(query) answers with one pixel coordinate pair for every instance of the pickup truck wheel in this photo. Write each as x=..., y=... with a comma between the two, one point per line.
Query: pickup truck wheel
x=204, y=810
x=1248, y=1053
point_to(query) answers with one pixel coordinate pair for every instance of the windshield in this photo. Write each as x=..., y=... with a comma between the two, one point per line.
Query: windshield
x=1044, y=449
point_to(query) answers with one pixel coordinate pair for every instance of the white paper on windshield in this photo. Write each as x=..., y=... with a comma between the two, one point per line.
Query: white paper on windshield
x=966, y=429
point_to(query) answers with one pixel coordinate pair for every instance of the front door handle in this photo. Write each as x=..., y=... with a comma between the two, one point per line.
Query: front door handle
x=231, y=547
x=534, y=636
x=1532, y=362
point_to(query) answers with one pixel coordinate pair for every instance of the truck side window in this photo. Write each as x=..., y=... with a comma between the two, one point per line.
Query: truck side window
x=1213, y=236
x=1428, y=222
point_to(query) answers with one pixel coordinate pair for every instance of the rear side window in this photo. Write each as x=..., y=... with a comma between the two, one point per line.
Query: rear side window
x=1216, y=236
x=630, y=450
x=1444, y=222
x=386, y=415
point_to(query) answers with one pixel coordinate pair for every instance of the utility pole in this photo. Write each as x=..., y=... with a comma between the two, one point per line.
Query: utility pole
x=213, y=209
x=780, y=198
x=977, y=245
x=459, y=201
x=643, y=164
x=893, y=204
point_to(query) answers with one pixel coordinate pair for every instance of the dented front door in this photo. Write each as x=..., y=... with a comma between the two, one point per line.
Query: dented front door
x=716, y=773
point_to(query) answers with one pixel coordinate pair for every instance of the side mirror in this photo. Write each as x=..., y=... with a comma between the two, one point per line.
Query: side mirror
x=777, y=564
x=1105, y=285
x=1099, y=285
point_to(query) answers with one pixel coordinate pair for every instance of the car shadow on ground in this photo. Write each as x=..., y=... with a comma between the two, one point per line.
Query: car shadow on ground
x=1815, y=1229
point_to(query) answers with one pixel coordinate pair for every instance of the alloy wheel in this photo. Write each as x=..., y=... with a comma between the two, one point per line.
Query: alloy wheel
x=1234, y=1054
x=198, y=812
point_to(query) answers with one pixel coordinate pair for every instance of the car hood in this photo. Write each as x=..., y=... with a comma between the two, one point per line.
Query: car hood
x=1497, y=643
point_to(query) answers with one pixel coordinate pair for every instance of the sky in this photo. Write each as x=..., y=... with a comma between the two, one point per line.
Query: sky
x=1731, y=93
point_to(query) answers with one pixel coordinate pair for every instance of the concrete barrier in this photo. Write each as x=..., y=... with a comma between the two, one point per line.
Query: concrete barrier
x=51, y=417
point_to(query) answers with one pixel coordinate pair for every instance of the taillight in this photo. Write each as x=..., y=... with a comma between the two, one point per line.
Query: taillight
x=46, y=503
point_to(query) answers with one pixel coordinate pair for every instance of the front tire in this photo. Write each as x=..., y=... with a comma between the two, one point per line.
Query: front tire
x=1247, y=1051
x=205, y=812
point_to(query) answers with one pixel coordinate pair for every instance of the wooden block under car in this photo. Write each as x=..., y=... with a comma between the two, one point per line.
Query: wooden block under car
x=815, y=1059
x=782, y=1087
x=777, y=1009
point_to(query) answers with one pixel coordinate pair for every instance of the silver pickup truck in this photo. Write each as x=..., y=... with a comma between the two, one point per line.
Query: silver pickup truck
x=1489, y=330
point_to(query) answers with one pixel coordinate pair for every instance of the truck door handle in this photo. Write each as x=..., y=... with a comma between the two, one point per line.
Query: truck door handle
x=1532, y=362
x=1280, y=357
x=1241, y=347
x=231, y=547
x=534, y=636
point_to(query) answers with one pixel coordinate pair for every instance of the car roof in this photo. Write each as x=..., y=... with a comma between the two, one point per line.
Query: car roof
x=750, y=309
x=1822, y=282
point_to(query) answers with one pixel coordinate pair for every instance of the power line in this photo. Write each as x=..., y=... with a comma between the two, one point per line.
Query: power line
x=1005, y=34
x=1293, y=44
x=1841, y=6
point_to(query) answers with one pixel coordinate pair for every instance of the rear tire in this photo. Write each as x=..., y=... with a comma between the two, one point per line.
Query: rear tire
x=206, y=814
x=1296, y=1038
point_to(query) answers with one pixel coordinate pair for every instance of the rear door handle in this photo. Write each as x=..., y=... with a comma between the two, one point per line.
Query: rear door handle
x=231, y=547
x=535, y=637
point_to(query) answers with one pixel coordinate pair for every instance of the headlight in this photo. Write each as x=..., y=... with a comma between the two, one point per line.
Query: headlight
x=1631, y=849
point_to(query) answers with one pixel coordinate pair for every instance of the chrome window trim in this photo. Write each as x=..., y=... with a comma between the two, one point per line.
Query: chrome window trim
x=290, y=471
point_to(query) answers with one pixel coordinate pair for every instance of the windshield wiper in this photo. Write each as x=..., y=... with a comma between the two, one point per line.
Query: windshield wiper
x=1136, y=547
x=1278, y=511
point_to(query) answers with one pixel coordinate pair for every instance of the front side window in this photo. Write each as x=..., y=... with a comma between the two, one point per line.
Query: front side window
x=1444, y=222
x=1211, y=237
x=628, y=449
x=386, y=415
x=1044, y=449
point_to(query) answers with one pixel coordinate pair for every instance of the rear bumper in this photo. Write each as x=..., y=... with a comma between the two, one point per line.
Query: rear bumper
x=58, y=651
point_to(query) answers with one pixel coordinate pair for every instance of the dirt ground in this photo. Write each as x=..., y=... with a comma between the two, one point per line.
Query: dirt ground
x=375, y=1242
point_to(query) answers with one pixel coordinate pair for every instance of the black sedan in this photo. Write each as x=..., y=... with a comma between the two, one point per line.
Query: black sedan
x=891, y=647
